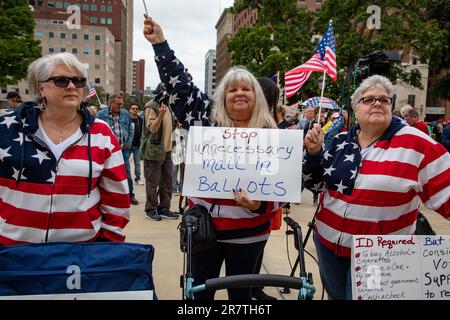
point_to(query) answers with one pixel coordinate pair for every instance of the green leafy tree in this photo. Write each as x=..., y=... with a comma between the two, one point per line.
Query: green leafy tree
x=17, y=45
x=278, y=41
x=404, y=26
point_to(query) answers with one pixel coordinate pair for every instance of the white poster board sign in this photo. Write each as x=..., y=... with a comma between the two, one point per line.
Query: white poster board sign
x=265, y=163
x=400, y=267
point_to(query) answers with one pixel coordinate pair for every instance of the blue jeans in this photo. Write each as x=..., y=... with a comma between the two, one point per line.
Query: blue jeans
x=335, y=273
x=126, y=160
x=137, y=162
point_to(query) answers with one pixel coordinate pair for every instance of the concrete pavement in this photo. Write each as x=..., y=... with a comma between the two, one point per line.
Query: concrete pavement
x=168, y=259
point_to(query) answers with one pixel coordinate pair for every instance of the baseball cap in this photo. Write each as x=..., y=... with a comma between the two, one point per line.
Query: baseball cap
x=12, y=94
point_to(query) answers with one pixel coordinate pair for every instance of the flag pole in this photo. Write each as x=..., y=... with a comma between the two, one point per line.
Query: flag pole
x=321, y=95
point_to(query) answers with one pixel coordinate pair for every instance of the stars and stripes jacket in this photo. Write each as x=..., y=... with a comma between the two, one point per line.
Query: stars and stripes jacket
x=379, y=194
x=233, y=223
x=83, y=196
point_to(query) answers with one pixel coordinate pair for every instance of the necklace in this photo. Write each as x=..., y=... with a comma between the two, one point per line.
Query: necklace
x=62, y=133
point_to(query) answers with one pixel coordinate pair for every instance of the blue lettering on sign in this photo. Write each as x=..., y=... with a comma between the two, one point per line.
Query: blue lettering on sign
x=279, y=186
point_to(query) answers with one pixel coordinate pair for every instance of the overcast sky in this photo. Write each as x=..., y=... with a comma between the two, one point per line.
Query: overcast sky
x=189, y=27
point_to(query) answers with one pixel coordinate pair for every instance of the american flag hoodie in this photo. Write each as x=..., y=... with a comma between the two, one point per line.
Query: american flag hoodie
x=78, y=198
x=378, y=194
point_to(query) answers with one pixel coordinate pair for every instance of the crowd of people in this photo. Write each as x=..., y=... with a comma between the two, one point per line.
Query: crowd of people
x=66, y=175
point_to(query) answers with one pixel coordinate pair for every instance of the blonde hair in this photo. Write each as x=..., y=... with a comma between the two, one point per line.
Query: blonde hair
x=40, y=69
x=261, y=117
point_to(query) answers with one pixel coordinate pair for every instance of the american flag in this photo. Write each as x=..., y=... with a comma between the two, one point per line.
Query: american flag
x=327, y=50
x=325, y=58
x=92, y=91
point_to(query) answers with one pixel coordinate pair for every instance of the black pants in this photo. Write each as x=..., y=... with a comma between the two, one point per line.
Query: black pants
x=239, y=259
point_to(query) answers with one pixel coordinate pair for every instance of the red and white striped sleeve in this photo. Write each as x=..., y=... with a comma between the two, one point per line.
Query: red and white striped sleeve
x=114, y=193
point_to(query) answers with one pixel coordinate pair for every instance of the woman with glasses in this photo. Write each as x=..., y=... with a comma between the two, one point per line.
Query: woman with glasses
x=62, y=176
x=373, y=177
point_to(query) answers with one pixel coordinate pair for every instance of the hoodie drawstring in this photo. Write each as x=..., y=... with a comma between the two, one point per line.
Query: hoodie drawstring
x=88, y=130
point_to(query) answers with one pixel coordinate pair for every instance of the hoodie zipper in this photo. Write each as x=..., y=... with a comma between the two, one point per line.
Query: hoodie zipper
x=44, y=145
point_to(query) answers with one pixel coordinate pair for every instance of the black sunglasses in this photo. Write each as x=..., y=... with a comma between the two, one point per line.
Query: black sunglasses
x=63, y=82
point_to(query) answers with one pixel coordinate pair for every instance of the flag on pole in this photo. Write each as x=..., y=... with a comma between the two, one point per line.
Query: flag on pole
x=323, y=60
x=295, y=78
x=327, y=50
x=92, y=91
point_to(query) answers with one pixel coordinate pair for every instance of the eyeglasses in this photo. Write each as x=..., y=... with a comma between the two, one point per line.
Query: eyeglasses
x=63, y=82
x=387, y=101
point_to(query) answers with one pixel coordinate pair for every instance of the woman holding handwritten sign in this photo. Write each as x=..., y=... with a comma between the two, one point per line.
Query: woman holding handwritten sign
x=242, y=224
x=374, y=177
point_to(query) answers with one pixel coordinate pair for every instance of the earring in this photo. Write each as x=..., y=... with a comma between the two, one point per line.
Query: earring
x=44, y=104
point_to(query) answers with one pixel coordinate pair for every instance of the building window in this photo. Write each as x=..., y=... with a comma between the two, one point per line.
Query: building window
x=109, y=8
x=93, y=19
x=97, y=67
x=109, y=21
x=85, y=50
x=62, y=35
x=103, y=8
x=51, y=35
x=66, y=5
x=85, y=7
x=59, y=4
x=97, y=52
x=62, y=50
x=39, y=34
x=51, y=50
x=97, y=37
x=51, y=4
x=74, y=50
x=27, y=91
x=4, y=90
x=412, y=100
x=93, y=7
x=74, y=36
x=40, y=49
x=97, y=80
x=86, y=37
x=102, y=20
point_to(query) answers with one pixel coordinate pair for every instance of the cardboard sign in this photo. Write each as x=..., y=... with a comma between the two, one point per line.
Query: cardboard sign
x=265, y=163
x=401, y=267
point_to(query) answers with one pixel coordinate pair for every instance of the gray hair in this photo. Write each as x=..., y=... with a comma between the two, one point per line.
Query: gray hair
x=261, y=117
x=40, y=69
x=372, y=82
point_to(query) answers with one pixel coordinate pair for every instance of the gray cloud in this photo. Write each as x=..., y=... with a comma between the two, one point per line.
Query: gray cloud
x=188, y=27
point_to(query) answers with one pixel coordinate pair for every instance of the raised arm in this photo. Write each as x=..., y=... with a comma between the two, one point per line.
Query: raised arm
x=190, y=104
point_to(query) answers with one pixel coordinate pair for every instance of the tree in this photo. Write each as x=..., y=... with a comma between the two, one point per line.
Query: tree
x=404, y=27
x=17, y=45
x=278, y=41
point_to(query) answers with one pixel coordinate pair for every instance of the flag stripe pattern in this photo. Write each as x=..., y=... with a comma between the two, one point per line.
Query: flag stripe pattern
x=92, y=91
x=53, y=203
x=327, y=51
x=324, y=59
x=295, y=78
x=379, y=194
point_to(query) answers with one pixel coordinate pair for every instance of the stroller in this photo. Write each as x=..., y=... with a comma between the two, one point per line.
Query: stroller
x=67, y=270
x=304, y=283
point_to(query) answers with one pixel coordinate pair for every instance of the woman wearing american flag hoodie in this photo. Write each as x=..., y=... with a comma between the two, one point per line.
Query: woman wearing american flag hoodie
x=373, y=177
x=62, y=176
x=242, y=224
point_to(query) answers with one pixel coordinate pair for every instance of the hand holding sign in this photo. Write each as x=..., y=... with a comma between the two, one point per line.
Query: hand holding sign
x=243, y=200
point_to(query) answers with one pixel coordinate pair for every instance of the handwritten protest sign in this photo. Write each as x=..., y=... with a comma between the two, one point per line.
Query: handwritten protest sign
x=401, y=267
x=265, y=163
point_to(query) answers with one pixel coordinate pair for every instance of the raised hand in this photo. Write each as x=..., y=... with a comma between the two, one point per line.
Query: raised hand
x=152, y=31
x=162, y=110
x=314, y=139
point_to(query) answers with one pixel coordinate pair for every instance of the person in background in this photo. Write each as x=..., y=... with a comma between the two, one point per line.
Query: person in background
x=360, y=181
x=412, y=118
x=13, y=100
x=136, y=143
x=341, y=124
x=120, y=122
x=404, y=110
x=157, y=155
x=445, y=137
x=62, y=173
x=242, y=224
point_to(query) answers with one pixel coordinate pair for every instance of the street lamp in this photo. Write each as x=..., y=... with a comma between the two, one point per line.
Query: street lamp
x=421, y=112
